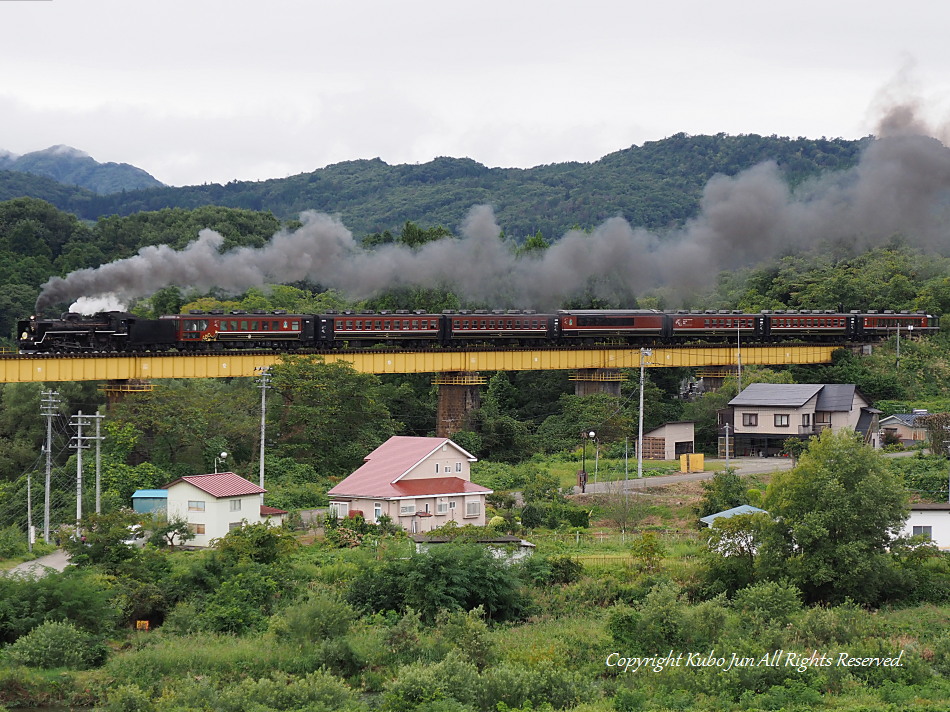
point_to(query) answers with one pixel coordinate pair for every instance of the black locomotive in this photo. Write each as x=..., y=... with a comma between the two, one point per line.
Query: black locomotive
x=280, y=331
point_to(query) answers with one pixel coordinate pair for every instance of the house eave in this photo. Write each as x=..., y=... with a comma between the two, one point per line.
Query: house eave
x=390, y=498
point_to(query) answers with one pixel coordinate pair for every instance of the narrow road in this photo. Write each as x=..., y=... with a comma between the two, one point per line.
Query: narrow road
x=742, y=465
x=57, y=561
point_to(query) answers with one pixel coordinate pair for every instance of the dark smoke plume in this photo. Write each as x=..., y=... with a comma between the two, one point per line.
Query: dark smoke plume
x=898, y=187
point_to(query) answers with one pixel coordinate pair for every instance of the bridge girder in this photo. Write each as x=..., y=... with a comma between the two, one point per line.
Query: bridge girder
x=103, y=367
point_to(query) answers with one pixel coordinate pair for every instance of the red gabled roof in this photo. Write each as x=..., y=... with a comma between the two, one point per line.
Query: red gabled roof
x=383, y=472
x=271, y=511
x=221, y=484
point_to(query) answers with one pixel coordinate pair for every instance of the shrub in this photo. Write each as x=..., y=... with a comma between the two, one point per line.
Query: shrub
x=544, y=682
x=419, y=683
x=241, y=604
x=128, y=698
x=317, y=692
x=448, y=577
x=319, y=618
x=769, y=602
x=57, y=644
x=12, y=542
x=75, y=596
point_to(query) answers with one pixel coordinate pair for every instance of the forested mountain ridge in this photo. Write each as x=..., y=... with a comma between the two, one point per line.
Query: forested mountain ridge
x=70, y=166
x=655, y=185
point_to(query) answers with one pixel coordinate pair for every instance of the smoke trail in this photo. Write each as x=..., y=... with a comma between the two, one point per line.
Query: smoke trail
x=899, y=186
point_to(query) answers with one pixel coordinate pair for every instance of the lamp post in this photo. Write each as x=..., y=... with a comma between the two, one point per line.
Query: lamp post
x=643, y=353
x=220, y=458
x=583, y=478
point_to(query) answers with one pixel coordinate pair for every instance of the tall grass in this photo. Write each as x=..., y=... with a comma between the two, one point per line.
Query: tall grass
x=225, y=658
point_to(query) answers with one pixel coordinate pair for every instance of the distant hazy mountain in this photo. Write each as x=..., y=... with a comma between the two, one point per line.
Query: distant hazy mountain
x=71, y=166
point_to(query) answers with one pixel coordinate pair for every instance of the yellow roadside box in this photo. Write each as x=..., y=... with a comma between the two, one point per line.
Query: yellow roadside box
x=692, y=462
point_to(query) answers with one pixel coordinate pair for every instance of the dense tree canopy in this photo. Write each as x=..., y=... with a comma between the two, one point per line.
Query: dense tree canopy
x=833, y=518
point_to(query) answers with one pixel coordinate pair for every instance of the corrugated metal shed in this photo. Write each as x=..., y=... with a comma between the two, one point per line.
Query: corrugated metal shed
x=146, y=501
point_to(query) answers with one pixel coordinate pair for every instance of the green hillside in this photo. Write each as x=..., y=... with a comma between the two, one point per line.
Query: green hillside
x=655, y=185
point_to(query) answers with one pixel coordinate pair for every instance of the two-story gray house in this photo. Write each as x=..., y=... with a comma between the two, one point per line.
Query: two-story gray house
x=763, y=416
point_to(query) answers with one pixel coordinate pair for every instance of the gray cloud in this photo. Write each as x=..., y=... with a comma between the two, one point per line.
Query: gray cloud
x=898, y=187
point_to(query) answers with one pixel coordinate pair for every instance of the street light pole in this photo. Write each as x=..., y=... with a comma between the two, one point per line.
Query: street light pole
x=218, y=459
x=585, y=435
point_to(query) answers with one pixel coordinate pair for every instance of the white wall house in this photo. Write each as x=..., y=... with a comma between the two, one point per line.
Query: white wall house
x=931, y=520
x=214, y=504
x=420, y=483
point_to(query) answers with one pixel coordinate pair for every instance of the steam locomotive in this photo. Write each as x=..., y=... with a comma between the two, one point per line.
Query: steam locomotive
x=200, y=331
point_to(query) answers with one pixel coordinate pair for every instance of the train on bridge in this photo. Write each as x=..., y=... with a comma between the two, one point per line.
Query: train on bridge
x=199, y=331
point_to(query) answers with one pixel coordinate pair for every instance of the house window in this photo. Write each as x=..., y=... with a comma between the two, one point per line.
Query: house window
x=339, y=509
x=806, y=419
x=452, y=505
x=235, y=505
x=200, y=528
x=234, y=525
x=926, y=531
x=781, y=420
x=750, y=419
x=442, y=508
x=407, y=508
x=377, y=510
x=458, y=466
x=437, y=468
x=473, y=508
x=196, y=506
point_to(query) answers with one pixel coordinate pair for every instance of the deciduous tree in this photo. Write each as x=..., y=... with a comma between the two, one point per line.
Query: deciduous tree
x=832, y=520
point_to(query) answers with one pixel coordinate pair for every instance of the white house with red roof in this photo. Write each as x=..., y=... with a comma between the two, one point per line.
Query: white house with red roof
x=420, y=483
x=215, y=504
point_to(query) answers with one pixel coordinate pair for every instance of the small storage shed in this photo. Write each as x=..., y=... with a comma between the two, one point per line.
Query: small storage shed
x=669, y=441
x=150, y=501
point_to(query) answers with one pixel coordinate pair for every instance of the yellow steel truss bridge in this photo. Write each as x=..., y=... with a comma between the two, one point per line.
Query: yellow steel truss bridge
x=110, y=367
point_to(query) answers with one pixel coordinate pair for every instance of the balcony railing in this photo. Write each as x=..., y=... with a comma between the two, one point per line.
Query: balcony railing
x=813, y=429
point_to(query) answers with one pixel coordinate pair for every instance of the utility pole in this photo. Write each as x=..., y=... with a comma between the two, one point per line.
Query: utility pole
x=739, y=358
x=79, y=443
x=48, y=408
x=263, y=385
x=98, y=438
x=643, y=352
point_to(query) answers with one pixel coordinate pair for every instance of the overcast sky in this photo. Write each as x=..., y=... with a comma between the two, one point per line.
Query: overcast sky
x=197, y=91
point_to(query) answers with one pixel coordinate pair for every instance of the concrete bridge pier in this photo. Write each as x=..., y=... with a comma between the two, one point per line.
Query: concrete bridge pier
x=459, y=395
x=588, y=381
